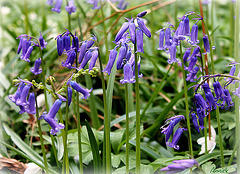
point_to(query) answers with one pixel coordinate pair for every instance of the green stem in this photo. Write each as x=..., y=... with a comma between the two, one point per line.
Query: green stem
x=107, y=160
x=69, y=19
x=66, y=133
x=186, y=102
x=138, y=123
x=105, y=31
x=40, y=135
x=236, y=55
x=220, y=136
x=127, y=128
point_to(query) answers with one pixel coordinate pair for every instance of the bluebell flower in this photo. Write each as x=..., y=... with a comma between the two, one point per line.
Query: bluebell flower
x=111, y=60
x=227, y=99
x=93, y=59
x=90, y=42
x=132, y=31
x=186, y=54
x=28, y=54
x=179, y=34
x=94, y=3
x=237, y=91
x=143, y=13
x=186, y=26
x=70, y=8
x=195, y=52
x=200, y=101
x=19, y=46
x=128, y=54
x=17, y=95
x=172, y=51
x=121, y=55
x=180, y=165
x=231, y=73
x=139, y=38
x=42, y=41
x=176, y=137
x=201, y=116
x=192, y=75
x=83, y=50
x=69, y=90
x=50, y=2
x=194, y=35
x=36, y=69
x=143, y=27
x=161, y=40
x=128, y=74
x=86, y=58
x=192, y=63
x=122, y=30
x=22, y=109
x=206, y=88
x=75, y=42
x=31, y=109
x=122, y=5
x=218, y=90
x=211, y=101
x=60, y=46
x=23, y=98
x=71, y=55
x=168, y=38
x=57, y=6
x=78, y=88
x=206, y=43
x=50, y=118
x=66, y=42
x=195, y=121
x=139, y=66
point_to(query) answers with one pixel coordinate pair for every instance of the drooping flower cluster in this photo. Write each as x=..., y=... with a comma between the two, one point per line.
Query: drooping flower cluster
x=180, y=165
x=171, y=123
x=170, y=39
x=126, y=59
x=86, y=51
x=122, y=4
x=57, y=4
x=26, y=45
x=23, y=99
x=221, y=97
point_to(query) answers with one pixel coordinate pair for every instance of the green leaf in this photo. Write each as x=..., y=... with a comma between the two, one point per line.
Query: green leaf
x=95, y=150
x=147, y=150
x=22, y=145
x=115, y=161
x=60, y=148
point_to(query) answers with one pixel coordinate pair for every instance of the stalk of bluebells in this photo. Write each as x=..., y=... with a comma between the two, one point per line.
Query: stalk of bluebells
x=51, y=119
x=70, y=8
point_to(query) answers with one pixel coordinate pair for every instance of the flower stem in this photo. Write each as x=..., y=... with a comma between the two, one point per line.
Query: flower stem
x=138, y=150
x=65, y=139
x=236, y=55
x=105, y=31
x=220, y=136
x=40, y=135
x=186, y=102
x=107, y=160
x=69, y=18
x=127, y=128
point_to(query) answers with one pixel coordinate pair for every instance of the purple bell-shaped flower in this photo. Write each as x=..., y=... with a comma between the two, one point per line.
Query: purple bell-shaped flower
x=127, y=70
x=57, y=7
x=111, y=60
x=78, y=88
x=36, y=69
x=70, y=8
x=31, y=109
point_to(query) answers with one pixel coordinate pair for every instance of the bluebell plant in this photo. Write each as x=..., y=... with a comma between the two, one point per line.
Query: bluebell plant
x=57, y=4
